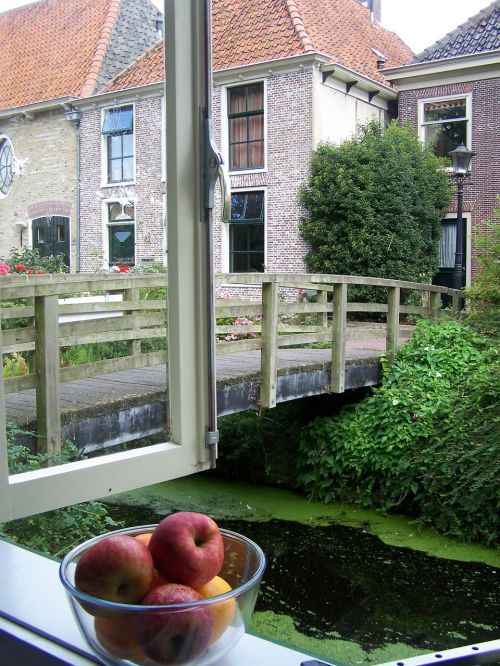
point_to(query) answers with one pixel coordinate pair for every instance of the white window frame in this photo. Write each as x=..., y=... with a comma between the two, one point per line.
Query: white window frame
x=225, y=124
x=225, y=247
x=443, y=98
x=105, y=182
x=186, y=451
x=106, y=225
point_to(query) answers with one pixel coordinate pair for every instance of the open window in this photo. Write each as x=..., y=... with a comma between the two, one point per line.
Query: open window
x=190, y=445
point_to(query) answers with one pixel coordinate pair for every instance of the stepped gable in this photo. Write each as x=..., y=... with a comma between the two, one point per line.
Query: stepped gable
x=481, y=33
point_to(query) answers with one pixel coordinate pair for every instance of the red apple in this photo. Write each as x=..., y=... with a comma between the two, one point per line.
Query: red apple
x=187, y=548
x=174, y=636
x=117, y=568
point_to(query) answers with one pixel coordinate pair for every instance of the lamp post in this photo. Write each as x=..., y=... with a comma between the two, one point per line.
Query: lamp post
x=460, y=159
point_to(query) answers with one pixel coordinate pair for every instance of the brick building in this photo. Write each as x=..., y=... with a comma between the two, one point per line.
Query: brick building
x=287, y=75
x=51, y=53
x=450, y=93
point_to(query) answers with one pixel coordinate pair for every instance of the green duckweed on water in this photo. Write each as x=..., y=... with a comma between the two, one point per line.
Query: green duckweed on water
x=343, y=583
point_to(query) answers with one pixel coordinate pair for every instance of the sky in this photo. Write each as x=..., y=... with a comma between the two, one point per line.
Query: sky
x=418, y=22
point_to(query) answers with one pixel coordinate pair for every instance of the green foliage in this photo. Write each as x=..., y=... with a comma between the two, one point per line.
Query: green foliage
x=484, y=295
x=31, y=259
x=96, y=351
x=54, y=532
x=405, y=446
x=374, y=207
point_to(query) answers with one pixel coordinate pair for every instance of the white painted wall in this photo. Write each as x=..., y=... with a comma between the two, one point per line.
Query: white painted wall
x=336, y=115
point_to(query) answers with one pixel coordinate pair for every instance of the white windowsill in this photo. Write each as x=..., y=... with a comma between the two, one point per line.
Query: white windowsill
x=37, y=627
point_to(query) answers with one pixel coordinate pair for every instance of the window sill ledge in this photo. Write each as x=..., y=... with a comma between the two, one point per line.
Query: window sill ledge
x=37, y=627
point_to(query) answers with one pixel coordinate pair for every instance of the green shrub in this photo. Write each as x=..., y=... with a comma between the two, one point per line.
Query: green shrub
x=374, y=208
x=32, y=260
x=383, y=451
x=54, y=532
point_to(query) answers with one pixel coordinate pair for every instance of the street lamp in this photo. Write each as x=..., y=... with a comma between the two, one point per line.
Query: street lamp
x=460, y=160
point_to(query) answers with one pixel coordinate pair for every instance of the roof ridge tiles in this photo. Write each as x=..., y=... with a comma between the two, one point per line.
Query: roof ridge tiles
x=90, y=82
x=299, y=26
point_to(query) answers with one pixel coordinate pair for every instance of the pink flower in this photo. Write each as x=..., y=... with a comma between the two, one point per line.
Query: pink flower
x=39, y=272
x=414, y=417
x=20, y=268
x=124, y=269
x=4, y=268
x=30, y=271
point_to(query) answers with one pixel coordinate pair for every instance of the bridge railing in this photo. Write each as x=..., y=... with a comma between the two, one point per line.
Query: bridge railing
x=303, y=309
x=42, y=315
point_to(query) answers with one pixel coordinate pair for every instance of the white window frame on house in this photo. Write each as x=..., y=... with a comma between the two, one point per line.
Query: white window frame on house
x=225, y=124
x=446, y=98
x=186, y=451
x=106, y=224
x=225, y=240
x=105, y=182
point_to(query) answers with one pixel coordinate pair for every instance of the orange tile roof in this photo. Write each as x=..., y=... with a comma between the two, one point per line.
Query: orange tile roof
x=145, y=70
x=52, y=49
x=253, y=31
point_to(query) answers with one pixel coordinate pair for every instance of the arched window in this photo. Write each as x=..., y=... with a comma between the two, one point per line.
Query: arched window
x=7, y=160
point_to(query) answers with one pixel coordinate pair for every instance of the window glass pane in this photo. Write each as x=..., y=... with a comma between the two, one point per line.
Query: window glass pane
x=239, y=237
x=255, y=98
x=445, y=110
x=116, y=171
x=118, y=120
x=256, y=238
x=256, y=127
x=121, y=245
x=447, y=244
x=128, y=210
x=60, y=233
x=446, y=136
x=6, y=166
x=238, y=129
x=256, y=262
x=115, y=146
x=127, y=144
x=256, y=154
x=237, y=101
x=114, y=209
x=238, y=156
x=255, y=204
x=128, y=168
x=238, y=201
x=239, y=263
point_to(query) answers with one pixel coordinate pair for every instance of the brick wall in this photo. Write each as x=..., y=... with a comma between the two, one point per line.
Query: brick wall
x=483, y=186
x=289, y=144
x=147, y=191
x=45, y=146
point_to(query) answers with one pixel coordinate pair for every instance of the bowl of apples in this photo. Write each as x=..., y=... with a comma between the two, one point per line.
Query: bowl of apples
x=179, y=592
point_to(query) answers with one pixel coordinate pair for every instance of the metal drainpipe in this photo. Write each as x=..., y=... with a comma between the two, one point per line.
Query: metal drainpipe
x=74, y=116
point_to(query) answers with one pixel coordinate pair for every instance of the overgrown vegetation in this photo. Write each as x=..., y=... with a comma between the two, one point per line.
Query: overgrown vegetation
x=374, y=207
x=54, y=532
x=426, y=441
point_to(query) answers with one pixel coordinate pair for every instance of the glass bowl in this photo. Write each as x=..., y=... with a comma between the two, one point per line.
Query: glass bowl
x=174, y=634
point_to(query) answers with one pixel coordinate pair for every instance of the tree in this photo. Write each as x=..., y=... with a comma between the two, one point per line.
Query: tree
x=374, y=206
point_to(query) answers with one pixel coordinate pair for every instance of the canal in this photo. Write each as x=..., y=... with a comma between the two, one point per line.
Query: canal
x=345, y=583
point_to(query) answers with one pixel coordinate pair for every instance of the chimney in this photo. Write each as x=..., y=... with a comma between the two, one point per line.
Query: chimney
x=375, y=9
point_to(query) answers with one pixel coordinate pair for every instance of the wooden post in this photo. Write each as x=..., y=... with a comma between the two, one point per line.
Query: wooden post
x=48, y=408
x=392, y=340
x=435, y=305
x=339, y=323
x=455, y=306
x=269, y=344
x=134, y=346
x=323, y=298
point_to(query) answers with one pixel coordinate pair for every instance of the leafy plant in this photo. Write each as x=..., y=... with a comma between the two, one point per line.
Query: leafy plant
x=403, y=446
x=54, y=532
x=374, y=207
x=29, y=260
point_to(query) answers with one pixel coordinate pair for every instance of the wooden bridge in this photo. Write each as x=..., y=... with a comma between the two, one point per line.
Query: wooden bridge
x=265, y=346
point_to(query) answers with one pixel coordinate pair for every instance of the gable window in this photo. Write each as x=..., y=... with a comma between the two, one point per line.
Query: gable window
x=6, y=166
x=246, y=232
x=246, y=126
x=445, y=124
x=118, y=130
x=121, y=234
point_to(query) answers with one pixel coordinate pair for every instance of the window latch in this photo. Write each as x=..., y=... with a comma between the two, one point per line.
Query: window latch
x=213, y=170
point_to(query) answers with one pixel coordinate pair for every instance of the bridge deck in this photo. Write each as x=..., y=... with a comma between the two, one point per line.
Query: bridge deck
x=137, y=397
